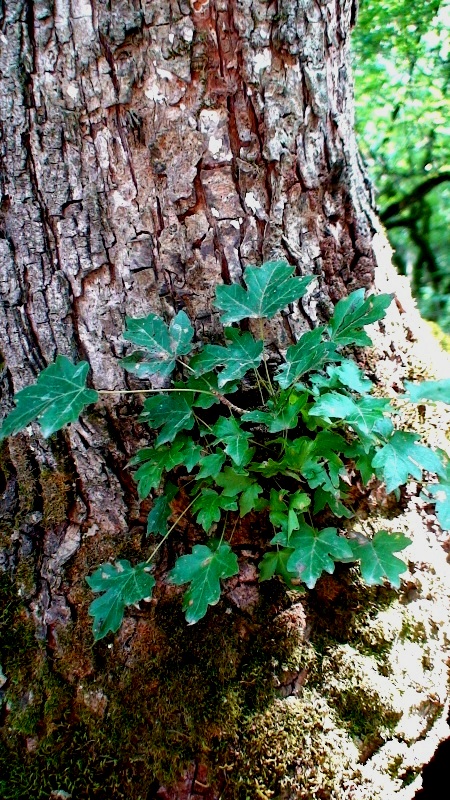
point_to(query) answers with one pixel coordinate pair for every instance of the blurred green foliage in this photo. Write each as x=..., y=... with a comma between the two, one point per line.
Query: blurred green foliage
x=402, y=78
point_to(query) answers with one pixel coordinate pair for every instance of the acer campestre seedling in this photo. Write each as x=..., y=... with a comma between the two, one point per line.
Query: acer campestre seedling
x=288, y=457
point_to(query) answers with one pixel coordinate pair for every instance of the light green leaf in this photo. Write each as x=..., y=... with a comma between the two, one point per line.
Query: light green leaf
x=365, y=415
x=353, y=313
x=309, y=353
x=275, y=563
x=377, y=559
x=57, y=398
x=229, y=431
x=204, y=568
x=170, y=412
x=401, y=457
x=239, y=356
x=441, y=493
x=123, y=585
x=316, y=552
x=270, y=288
x=162, y=344
x=432, y=391
x=209, y=507
x=349, y=375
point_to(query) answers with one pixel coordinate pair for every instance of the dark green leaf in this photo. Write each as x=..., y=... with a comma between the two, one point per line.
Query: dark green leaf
x=433, y=391
x=401, y=457
x=316, y=552
x=153, y=461
x=239, y=356
x=270, y=288
x=275, y=563
x=309, y=353
x=170, y=412
x=123, y=585
x=57, y=398
x=353, y=313
x=229, y=431
x=232, y=482
x=377, y=559
x=211, y=465
x=162, y=344
x=161, y=511
x=203, y=569
x=248, y=500
x=209, y=507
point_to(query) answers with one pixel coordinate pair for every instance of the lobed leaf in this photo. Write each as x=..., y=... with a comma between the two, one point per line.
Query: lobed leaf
x=204, y=568
x=377, y=559
x=239, y=356
x=57, y=398
x=275, y=563
x=162, y=344
x=353, y=313
x=429, y=391
x=309, y=353
x=315, y=552
x=209, y=507
x=170, y=412
x=270, y=288
x=123, y=585
x=229, y=431
x=402, y=457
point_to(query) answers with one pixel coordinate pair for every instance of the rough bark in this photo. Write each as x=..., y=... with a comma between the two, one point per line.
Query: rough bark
x=150, y=151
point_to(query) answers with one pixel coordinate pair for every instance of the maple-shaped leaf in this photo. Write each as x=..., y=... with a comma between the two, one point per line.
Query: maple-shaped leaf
x=204, y=568
x=441, y=493
x=283, y=413
x=315, y=552
x=153, y=461
x=229, y=431
x=209, y=507
x=275, y=563
x=365, y=415
x=348, y=374
x=353, y=313
x=377, y=559
x=270, y=288
x=161, y=511
x=323, y=498
x=239, y=356
x=211, y=465
x=433, y=391
x=123, y=585
x=249, y=500
x=170, y=412
x=57, y=398
x=309, y=353
x=401, y=457
x=232, y=482
x=162, y=344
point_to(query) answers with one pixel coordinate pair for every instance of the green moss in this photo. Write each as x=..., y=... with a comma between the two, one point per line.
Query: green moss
x=55, y=490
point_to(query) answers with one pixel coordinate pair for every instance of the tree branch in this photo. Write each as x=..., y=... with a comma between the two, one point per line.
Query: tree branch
x=416, y=194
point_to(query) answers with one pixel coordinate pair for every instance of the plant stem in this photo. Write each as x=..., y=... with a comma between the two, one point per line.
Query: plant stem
x=185, y=510
x=210, y=392
x=269, y=382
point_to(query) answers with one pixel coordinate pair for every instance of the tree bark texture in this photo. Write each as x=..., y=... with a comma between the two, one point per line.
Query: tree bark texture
x=148, y=152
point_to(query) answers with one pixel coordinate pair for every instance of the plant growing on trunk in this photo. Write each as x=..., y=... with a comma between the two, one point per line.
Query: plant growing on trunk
x=288, y=456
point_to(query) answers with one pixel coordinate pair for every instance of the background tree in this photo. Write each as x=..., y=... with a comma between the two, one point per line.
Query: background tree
x=148, y=153
x=402, y=81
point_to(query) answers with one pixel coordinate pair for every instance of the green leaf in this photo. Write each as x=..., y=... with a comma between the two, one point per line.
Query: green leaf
x=211, y=465
x=209, y=507
x=316, y=552
x=283, y=413
x=206, y=383
x=433, y=391
x=229, y=431
x=203, y=569
x=441, y=493
x=349, y=375
x=153, y=461
x=309, y=353
x=270, y=288
x=123, y=585
x=57, y=398
x=162, y=344
x=365, y=415
x=161, y=511
x=377, y=559
x=323, y=498
x=275, y=563
x=249, y=499
x=170, y=412
x=232, y=482
x=239, y=356
x=401, y=457
x=353, y=313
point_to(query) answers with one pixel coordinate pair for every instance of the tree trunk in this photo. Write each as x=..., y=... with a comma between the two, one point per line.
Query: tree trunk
x=150, y=151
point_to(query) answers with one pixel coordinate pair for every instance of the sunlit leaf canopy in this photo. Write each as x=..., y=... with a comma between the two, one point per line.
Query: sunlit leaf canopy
x=402, y=81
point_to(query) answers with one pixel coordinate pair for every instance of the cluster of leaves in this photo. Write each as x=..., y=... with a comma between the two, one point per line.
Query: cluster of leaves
x=291, y=457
